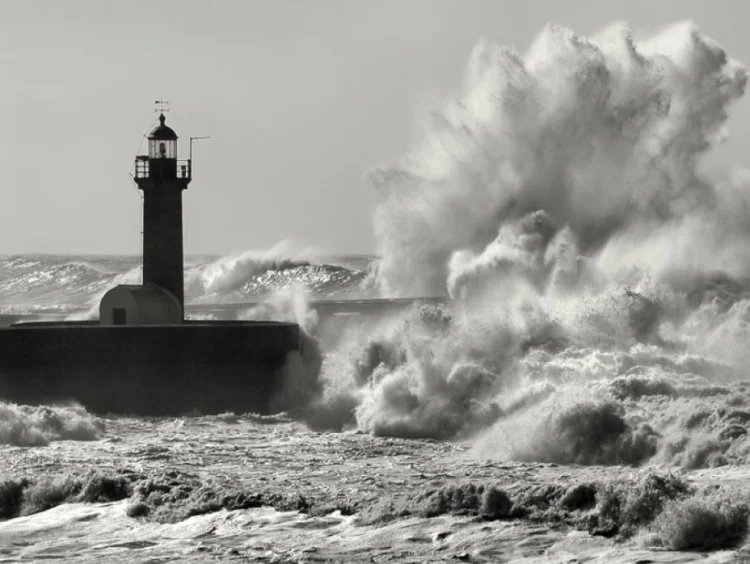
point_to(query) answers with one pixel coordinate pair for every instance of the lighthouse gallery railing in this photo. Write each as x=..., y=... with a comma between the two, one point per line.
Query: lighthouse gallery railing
x=143, y=170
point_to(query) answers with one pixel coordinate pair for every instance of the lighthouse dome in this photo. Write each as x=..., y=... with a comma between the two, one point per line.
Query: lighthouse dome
x=162, y=132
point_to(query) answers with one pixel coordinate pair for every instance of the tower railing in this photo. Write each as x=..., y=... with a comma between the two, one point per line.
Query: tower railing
x=143, y=170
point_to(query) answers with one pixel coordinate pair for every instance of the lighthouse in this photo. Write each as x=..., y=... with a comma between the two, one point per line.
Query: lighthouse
x=160, y=300
x=162, y=178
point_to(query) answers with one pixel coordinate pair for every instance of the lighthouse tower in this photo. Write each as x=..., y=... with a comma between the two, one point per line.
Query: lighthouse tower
x=163, y=178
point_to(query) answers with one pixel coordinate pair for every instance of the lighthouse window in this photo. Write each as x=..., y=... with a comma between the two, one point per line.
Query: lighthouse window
x=162, y=149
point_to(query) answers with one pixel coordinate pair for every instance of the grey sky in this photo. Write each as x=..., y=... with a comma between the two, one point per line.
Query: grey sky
x=300, y=99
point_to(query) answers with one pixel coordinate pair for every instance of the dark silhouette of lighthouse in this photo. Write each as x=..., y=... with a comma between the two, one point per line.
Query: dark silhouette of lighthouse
x=163, y=178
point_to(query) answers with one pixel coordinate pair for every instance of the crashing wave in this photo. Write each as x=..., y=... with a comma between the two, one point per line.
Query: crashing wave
x=600, y=282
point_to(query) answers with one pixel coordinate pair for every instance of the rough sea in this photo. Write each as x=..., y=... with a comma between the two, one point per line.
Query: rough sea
x=578, y=394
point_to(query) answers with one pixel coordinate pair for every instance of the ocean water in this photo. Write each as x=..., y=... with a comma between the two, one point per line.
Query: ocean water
x=71, y=285
x=581, y=391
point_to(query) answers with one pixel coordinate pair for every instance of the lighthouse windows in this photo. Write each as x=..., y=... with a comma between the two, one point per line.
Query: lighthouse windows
x=162, y=149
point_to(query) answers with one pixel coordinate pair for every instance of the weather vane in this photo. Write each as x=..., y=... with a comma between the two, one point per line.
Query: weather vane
x=161, y=106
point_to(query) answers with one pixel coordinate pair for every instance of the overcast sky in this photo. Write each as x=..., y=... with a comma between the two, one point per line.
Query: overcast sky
x=300, y=99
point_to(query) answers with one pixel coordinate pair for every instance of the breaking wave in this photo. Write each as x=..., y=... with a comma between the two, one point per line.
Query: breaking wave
x=235, y=278
x=22, y=425
x=599, y=281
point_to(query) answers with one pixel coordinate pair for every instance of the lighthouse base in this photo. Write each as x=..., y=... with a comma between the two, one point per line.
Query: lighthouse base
x=205, y=367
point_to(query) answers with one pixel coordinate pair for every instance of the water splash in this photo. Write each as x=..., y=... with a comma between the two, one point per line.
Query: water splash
x=603, y=135
x=558, y=200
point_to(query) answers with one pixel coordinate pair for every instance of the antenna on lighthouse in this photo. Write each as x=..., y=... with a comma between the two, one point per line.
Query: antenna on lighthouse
x=191, y=144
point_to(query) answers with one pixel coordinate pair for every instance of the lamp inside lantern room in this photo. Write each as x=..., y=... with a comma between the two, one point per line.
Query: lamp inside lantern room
x=162, y=149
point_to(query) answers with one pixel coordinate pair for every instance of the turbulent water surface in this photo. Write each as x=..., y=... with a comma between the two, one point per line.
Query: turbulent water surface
x=67, y=284
x=581, y=392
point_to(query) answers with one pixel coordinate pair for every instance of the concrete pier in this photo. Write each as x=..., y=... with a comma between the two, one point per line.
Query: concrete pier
x=146, y=370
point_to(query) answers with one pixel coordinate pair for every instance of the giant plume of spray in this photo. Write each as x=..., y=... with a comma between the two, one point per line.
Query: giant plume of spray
x=602, y=134
x=555, y=168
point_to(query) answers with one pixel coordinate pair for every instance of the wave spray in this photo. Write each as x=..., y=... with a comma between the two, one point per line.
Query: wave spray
x=558, y=200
